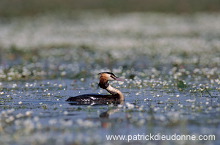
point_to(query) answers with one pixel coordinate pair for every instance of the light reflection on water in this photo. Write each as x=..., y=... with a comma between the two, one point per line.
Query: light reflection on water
x=171, y=67
x=43, y=108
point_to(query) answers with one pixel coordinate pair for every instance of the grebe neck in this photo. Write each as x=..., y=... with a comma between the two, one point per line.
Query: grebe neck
x=115, y=91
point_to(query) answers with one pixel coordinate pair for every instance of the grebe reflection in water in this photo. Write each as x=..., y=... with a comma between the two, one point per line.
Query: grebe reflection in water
x=116, y=96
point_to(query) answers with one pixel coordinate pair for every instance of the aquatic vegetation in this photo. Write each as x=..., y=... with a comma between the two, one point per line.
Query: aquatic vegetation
x=170, y=64
x=73, y=47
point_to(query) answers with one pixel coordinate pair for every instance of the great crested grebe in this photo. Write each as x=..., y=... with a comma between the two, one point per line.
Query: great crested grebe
x=115, y=97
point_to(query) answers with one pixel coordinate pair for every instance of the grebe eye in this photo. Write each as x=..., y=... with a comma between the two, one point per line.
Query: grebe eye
x=112, y=76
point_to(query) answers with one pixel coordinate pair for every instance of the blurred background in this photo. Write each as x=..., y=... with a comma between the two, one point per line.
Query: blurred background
x=65, y=38
x=32, y=7
x=168, y=51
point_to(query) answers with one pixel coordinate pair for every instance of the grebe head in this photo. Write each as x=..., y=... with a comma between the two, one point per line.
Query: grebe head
x=108, y=76
x=105, y=77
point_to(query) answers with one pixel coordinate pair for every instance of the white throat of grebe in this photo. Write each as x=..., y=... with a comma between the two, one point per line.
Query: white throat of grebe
x=103, y=83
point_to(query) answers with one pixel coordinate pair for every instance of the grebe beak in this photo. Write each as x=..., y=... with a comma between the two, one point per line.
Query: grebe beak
x=119, y=79
x=116, y=78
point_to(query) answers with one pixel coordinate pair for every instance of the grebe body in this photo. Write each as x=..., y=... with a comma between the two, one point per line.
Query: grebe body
x=115, y=97
x=94, y=99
